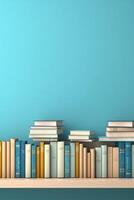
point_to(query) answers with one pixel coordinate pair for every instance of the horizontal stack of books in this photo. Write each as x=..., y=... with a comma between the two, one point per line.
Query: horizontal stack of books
x=81, y=135
x=46, y=130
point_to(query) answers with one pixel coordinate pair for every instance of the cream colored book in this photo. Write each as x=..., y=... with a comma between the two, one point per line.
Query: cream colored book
x=3, y=159
x=60, y=159
x=81, y=161
x=88, y=165
x=110, y=162
x=12, y=145
x=119, y=129
x=84, y=162
x=115, y=162
x=120, y=134
x=80, y=132
x=8, y=161
x=47, y=160
x=116, y=139
x=121, y=123
x=92, y=151
x=27, y=160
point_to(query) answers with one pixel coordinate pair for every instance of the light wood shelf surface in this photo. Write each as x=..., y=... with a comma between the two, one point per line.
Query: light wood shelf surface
x=67, y=183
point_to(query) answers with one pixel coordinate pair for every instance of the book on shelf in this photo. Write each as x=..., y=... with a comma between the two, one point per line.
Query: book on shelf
x=98, y=162
x=88, y=165
x=47, y=160
x=133, y=160
x=67, y=160
x=28, y=160
x=72, y=159
x=42, y=158
x=3, y=159
x=22, y=158
x=80, y=137
x=8, y=159
x=121, y=159
x=55, y=136
x=46, y=128
x=120, y=129
x=53, y=157
x=120, y=134
x=0, y=159
x=60, y=159
x=12, y=143
x=115, y=139
x=104, y=161
x=110, y=162
x=115, y=162
x=33, y=162
x=121, y=124
x=38, y=162
x=128, y=160
x=84, y=162
x=46, y=132
x=81, y=132
x=17, y=159
x=93, y=163
x=77, y=154
x=80, y=160
x=48, y=123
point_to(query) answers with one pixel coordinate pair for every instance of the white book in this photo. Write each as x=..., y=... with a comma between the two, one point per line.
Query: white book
x=8, y=160
x=104, y=160
x=121, y=124
x=80, y=137
x=60, y=159
x=3, y=159
x=43, y=136
x=98, y=162
x=80, y=132
x=47, y=160
x=45, y=139
x=27, y=160
x=72, y=159
x=46, y=132
x=115, y=139
x=46, y=128
x=12, y=145
x=48, y=123
x=53, y=147
x=133, y=160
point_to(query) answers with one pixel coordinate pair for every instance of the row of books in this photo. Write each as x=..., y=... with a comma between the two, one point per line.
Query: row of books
x=19, y=159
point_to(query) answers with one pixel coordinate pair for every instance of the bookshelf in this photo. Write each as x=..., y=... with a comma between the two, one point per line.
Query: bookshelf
x=68, y=183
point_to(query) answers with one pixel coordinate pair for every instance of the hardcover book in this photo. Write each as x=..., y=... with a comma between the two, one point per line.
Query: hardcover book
x=67, y=160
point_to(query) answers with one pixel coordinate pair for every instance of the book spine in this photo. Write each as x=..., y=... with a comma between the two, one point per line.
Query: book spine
x=22, y=159
x=0, y=159
x=47, y=160
x=72, y=160
x=121, y=159
x=8, y=161
x=77, y=151
x=12, y=144
x=3, y=159
x=33, y=161
x=41, y=159
x=128, y=160
x=98, y=162
x=38, y=162
x=133, y=160
x=53, y=158
x=27, y=160
x=104, y=160
x=110, y=162
x=88, y=165
x=115, y=162
x=60, y=159
x=84, y=162
x=67, y=161
x=17, y=159
x=93, y=167
x=81, y=161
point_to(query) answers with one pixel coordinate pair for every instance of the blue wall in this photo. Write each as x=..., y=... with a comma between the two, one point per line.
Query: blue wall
x=70, y=60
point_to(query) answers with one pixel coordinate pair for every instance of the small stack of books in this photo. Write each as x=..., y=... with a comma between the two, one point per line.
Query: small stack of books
x=81, y=135
x=46, y=130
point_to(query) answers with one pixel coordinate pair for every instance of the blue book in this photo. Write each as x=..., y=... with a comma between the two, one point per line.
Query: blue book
x=67, y=160
x=128, y=160
x=72, y=160
x=121, y=146
x=33, y=161
x=17, y=159
x=22, y=159
x=53, y=157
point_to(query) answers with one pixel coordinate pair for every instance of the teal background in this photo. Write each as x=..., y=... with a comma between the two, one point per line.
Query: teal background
x=71, y=60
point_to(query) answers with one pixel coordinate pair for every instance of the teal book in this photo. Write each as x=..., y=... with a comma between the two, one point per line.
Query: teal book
x=67, y=161
x=121, y=146
x=22, y=159
x=133, y=160
x=53, y=158
x=98, y=162
x=72, y=160
x=33, y=167
x=17, y=159
x=104, y=161
x=128, y=160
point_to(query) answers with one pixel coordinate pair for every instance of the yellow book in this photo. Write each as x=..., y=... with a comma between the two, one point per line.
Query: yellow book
x=3, y=159
x=38, y=162
x=0, y=159
x=77, y=160
x=41, y=159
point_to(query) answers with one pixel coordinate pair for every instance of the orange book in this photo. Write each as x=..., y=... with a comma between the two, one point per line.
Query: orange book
x=77, y=160
x=41, y=159
x=0, y=159
x=3, y=159
x=38, y=162
x=8, y=161
x=92, y=151
x=115, y=162
x=81, y=161
x=85, y=162
x=110, y=162
x=88, y=164
x=12, y=154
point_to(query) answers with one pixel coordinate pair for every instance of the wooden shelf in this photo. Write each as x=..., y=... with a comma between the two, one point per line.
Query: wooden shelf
x=67, y=183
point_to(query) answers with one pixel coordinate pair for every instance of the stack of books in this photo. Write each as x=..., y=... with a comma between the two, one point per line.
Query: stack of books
x=81, y=135
x=46, y=130
x=119, y=131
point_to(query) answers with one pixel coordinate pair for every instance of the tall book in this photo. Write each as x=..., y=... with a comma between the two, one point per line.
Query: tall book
x=121, y=159
x=17, y=159
x=98, y=162
x=85, y=162
x=133, y=160
x=115, y=162
x=38, y=162
x=33, y=168
x=77, y=152
x=47, y=160
x=22, y=158
x=12, y=144
x=93, y=167
x=27, y=160
x=128, y=160
x=0, y=159
x=8, y=161
x=60, y=159
x=67, y=161
x=41, y=159
x=110, y=162
x=81, y=161
x=53, y=157
x=88, y=165
x=3, y=159
x=104, y=161
x=72, y=160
